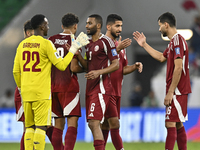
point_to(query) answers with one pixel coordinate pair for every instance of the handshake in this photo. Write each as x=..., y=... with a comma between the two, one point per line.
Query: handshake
x=80, y=41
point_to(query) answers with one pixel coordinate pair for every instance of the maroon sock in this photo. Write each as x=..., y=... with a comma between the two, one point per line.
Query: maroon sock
x=105, y=136
x=22, y=142
x=57, y=141
x=116, y=139
x=99, y=145
x=171, y=138
x=70, y=138
x=49, y=133
x=181, y=139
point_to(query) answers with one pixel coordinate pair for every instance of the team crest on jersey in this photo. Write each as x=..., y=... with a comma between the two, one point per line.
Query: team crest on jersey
x=96, y=48
x=114, y=52
x=177, y=50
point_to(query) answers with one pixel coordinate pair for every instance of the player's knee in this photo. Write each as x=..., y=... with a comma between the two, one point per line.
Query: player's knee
x=93, y=124
x=72, y=122
x=114, y=123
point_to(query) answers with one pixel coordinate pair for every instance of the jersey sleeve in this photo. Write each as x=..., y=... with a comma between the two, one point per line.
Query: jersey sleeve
x=178, y=47
x=165, y=53
x=16, y=69
x=110, y=48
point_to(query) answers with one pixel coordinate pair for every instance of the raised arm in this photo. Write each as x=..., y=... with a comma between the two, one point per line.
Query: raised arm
x=141, y=40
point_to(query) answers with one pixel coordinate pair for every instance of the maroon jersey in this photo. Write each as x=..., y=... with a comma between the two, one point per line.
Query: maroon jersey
x=99, y=56
x=178, y=48
x=117, y=76
x=63, y=81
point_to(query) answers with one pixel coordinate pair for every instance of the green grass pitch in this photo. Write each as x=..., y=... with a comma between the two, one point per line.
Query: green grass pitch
x=109, y=146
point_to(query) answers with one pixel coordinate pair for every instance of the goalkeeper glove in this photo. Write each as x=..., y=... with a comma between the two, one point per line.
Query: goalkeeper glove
x=81, y=40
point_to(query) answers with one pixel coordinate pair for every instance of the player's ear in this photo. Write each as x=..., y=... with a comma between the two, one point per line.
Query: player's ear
x=108, y=26
x=42, y=26
x=62, y=27
x=166, y=24
x=75, y=26
x=98, y=26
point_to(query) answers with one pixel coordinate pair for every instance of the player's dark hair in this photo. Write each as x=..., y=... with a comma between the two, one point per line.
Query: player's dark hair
x=112, y=18
x=27, y=25
x=98, y=19
x=169, y=18
x=69, y=20
x=37, y=20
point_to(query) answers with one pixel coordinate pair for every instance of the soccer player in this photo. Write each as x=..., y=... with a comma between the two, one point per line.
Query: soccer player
x=32, y=68
x=65, y=89
x=102, y=59
x=114, y=27
x=28, y=31
x=177, y=79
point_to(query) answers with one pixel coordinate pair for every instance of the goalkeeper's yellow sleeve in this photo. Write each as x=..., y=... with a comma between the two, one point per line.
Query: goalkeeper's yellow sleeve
x=16, y=70
x=17, y=77
x=62, y=65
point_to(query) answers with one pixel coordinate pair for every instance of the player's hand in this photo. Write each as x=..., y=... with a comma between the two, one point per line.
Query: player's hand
x=168, y=99
x=80, y=41
x=123, y=44
x=68, y=47
x=92, y=74
x=83, y=39
x=139, y=66
x=140, y=38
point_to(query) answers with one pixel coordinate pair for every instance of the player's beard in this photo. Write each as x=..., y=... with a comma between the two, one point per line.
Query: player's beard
x=114, y=34
x=92, y=30
x=164, y=34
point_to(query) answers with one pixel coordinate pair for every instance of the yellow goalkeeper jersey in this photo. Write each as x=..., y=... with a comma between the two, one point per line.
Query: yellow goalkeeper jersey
x=32, y=67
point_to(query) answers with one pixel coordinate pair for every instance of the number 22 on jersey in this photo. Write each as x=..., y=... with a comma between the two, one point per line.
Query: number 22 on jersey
x=28, y=57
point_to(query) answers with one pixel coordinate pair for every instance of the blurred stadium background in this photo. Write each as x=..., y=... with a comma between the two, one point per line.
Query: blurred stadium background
x=137, y=124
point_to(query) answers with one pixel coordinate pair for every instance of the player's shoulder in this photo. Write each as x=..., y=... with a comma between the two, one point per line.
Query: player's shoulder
x=108, y=40
x=54, y=36
x=177, y=38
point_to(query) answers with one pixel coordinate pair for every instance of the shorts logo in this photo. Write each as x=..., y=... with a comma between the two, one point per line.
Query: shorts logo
x=91, y=115
x=114, y=52
x=96, y=48
x=177, y=50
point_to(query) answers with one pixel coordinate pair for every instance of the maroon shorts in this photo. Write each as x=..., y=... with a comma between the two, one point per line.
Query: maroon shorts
x=113, y=109
x=66, y=104
x=96, y=106
x=177, y=112
x=18, y=106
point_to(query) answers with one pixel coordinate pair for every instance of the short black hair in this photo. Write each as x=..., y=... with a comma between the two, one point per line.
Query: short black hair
x=112, y=18
x=37, y=20
x=98, y=19
x=27, y=25
x=69, y=20
x=169, y=18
